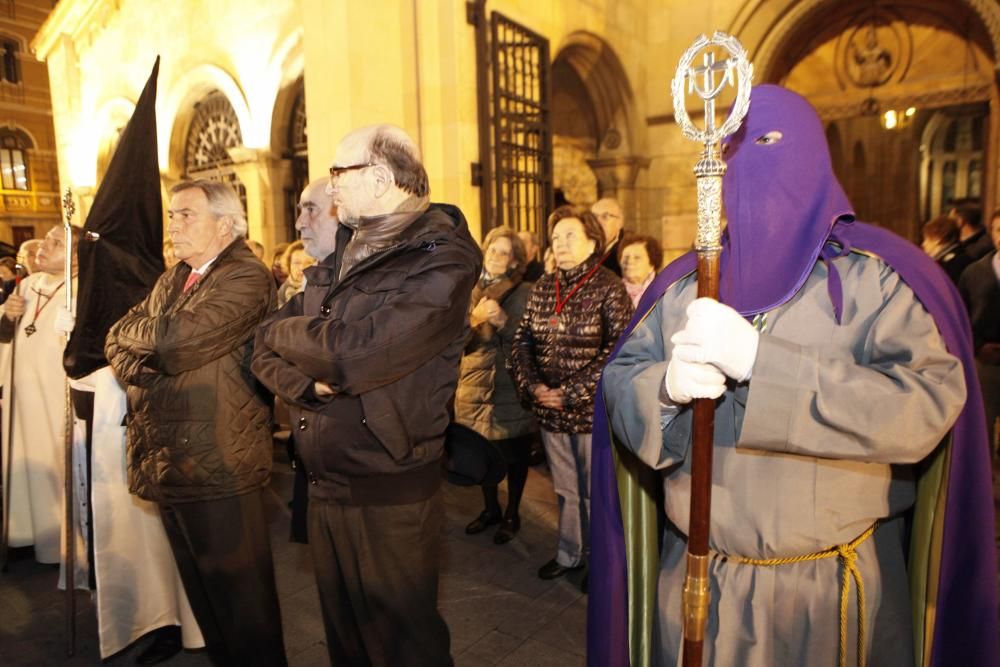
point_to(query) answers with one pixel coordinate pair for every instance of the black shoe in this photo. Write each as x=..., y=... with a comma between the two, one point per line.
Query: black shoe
x=507, y=530
x=553, y=570
x=585, y=584
x=482, y=522
x=165, y=645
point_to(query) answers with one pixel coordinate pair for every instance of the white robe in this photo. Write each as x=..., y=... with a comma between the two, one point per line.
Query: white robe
x=138, y=586
x=39, y=442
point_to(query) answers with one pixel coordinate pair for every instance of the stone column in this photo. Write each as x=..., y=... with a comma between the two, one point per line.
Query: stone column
x=265, y=178
x=616, y=178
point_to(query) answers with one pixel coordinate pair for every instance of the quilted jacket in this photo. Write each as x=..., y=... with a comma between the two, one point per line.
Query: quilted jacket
x=568, y=351
x=387, y=337
x=486, y=400
x=199, y=424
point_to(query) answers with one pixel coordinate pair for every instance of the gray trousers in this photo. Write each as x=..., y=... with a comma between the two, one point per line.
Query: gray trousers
x=568, y=455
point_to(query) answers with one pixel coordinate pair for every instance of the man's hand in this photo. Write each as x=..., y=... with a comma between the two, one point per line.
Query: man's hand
x=13, y=307
x=686, y=381
x=718, y=335
x=322, y=389
x=65, y=321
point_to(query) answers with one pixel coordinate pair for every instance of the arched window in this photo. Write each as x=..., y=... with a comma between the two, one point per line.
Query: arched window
x=14, y=147
x=214, y=130
x=11, y=66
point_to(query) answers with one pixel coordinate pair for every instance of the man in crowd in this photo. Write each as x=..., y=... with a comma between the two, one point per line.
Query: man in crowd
x=834, y=372
x=535, y=268
x=609, y=213
x=980, y=287
x=26, y=254
x=368, y=358
x=33, y=459
x=973, y=240
x=199, y=436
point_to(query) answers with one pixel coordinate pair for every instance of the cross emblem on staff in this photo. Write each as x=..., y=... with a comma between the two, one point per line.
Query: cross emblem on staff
x=709, y=89
x=705, y=81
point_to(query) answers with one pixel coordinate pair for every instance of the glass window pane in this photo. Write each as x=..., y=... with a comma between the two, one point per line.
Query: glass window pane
x=6, y=170
x=975, y=178
x=20, y=170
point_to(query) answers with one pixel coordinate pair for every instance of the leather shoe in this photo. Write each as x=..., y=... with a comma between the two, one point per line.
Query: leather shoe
x=553, y=570
x=482, y=522
x=165, y=645
x=507, y=530
x=585, y=584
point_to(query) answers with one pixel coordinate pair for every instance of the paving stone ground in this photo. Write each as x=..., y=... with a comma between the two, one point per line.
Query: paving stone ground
x=498, y=610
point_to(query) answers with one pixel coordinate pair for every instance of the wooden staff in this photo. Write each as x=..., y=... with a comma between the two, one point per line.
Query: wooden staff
x=9, y=452
x=709, y=172
x=69, y=526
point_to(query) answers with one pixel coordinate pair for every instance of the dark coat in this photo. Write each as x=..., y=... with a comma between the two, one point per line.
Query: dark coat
x=388, y=338
x=199, y=425
x=487, y=399
x=571, y=352
x=981, y=294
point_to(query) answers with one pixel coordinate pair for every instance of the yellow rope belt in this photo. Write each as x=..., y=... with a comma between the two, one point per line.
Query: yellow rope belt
x=848, y=556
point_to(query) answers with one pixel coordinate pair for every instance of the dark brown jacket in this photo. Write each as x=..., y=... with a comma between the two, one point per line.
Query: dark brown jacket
x=388, y=339
x=569, y=351
x=199, y=426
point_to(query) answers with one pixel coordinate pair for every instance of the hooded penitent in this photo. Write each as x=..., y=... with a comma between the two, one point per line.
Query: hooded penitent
x=786, y=211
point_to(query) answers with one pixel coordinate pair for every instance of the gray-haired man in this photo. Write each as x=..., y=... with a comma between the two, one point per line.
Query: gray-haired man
x=199, y=429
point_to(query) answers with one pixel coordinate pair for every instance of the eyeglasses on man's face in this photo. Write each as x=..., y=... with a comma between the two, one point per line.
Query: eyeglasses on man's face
x=336, y=172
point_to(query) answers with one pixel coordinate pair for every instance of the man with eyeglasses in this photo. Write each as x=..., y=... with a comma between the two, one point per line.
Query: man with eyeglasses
x=369, y=370
x=609, y=213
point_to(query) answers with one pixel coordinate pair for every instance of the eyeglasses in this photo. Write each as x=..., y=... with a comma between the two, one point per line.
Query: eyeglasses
x=335, y=172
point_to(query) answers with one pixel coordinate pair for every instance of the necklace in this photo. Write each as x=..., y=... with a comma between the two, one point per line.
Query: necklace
x=554, y=320
x=40, y=306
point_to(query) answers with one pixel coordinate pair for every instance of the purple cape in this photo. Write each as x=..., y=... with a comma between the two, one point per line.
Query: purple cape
x=966, y=627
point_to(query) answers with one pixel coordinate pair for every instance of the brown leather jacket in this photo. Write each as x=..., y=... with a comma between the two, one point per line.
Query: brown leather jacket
x=199, y=425
x=569, y=351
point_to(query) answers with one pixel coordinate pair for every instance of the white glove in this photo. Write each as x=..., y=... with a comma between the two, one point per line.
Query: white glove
x=718, y=335
x=65, y=321
x=686, y=381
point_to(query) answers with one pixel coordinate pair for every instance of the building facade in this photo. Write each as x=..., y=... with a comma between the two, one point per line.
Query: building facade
x=29, y=183
x=513, y=101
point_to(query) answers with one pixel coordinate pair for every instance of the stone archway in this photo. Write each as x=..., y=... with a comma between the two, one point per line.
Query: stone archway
x=595, y=128
x=820, y=47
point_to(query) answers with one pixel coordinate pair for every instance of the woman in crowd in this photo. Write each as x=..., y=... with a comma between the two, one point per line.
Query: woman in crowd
x=572, y=321
x=294, y=261
x=640, y=258
x=486, y=400
x=278, y=268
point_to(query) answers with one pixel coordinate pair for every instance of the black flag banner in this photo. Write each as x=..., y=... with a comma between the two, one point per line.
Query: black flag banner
x=123, y=255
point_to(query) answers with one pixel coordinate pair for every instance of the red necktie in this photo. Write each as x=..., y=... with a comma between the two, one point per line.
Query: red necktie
x=191, y=280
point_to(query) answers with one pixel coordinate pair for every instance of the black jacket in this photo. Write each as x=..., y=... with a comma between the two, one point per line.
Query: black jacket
x=199, y=425
x=388, y=339
x=981, y=294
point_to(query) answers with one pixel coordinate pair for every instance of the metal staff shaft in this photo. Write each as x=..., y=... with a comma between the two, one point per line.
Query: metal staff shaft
x=709, y=172
x=69, y=526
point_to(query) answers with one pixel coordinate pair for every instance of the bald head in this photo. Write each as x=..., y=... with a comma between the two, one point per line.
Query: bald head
x=317, y=220
x=609, y=213
x=375, y=169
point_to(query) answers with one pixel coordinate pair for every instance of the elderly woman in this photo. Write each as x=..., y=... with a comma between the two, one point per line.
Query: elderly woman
x=487, y=400
x=294, y=261
x=572, y=321
x=640, y=258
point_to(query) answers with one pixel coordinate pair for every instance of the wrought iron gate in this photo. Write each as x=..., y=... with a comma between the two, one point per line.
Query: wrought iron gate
x=515, y=131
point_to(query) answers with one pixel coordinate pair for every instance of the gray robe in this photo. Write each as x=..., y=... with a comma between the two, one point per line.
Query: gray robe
x=808, y=454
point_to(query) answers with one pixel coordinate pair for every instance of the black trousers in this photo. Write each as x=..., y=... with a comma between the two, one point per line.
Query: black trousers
x=377, y=572
x=223, y=552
